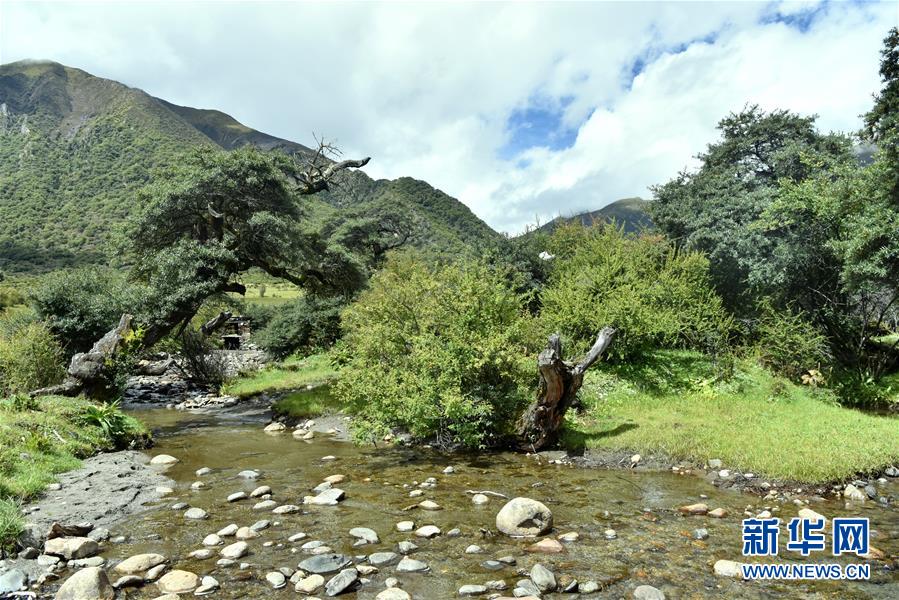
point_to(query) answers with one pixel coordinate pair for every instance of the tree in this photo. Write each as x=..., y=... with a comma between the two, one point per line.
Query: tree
x=882, y=121
x=714, y=208
x=212, y=218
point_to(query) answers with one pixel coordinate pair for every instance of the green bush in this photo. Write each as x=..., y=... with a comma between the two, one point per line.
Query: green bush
x=30, y=358
x=788, y=344
x=307, y=324
x=83, y=304
x=445, y=352
x=655, y=296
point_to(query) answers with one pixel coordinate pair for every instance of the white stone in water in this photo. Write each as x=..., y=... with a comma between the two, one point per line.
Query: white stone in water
x=203, y=471
x=810, y=515
x=212, y=540
x=275, y=428
x=369, y=536
x=474, y=549
x=416, y=493
x=335, y=479
x=428, y=531
x=286, y=509
x=265, y=505
x=647, y=592
x=245, y=533
x=310, y=584
x=405, y=526
x=449, y=470
x=610, y=534
x=297, y=537
x=276, y=579
x=393, y=593
x=262, y=490
x=196, y=485
x=201, y=554
x=410, y=565
x=480, y=499
x=429, y=505
x=196, y=513
x=163, y=459
x=164, y=490
x=571, y=536
x=248, y=474
x=329, y=458
x=228, y=530
x=235, y=550
x=236, y=496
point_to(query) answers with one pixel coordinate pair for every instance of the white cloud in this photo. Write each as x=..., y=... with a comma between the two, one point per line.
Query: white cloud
x=427, y=89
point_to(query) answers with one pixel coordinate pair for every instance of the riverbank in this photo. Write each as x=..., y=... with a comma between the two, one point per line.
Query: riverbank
x=43, y=437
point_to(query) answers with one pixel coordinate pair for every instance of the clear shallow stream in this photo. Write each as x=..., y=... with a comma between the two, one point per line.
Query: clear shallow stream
x=655, y=548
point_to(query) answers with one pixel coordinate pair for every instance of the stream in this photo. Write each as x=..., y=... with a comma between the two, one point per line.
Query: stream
x=654, y=544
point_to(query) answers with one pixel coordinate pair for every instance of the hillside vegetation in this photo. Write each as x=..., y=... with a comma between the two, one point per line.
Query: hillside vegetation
x=75, y=149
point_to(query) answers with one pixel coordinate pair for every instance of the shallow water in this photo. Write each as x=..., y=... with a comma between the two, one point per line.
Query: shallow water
x=654, y=544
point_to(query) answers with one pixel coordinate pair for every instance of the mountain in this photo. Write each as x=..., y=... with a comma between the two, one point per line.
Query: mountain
x=75, y=149
x=629, y=213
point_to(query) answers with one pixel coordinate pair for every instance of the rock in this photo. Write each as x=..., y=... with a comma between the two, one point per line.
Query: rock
x=245, y=533
x=393, y=593
x=853, y=493
x=718, y=513
x=45, y=560
x=100, y=534
x=196, y=514
x=163, y=459
x=380, y=559
x=429, y=505
x=154, y=573
x=248, y=474
x=323, y=564
x=809, y=514
x=694, y=509
x=71, y=547
x=87, y=584
x=203, y=471
x=275, y=428
x=405, y=526
x=31, y=552
x=77, y=530
x=891, y=472
x=405, y=547
x=728, y=568
x=308, y=585
x=12, y=581
x=474, y=549
x=449, y=470
x=178, y=582
x=364, y=533
x=207, y=586
x=164, y=490
x=701, y=534
x=202, y=554
x=335, y=479
x=647, y=592
x=260, y=525
x=228, y=531
x=342, y=582
x=276, y=579
x=328, y=458
x=543, y=578
x=546, y=546
x=480, y=499
x=428, y=531
x=93, y=561
x=410, y=565
x=286, y=509
x=128, y=581
x=610, y=534
x=237, y=496
x=262, y=490
x=265, y=505
x=571, y=536
x=588, y=587
x=212, y=540
x=297, y=537
x=715, y=463
x=472, y=590
x=524, y=517
x=235, y=550
x=327, y=498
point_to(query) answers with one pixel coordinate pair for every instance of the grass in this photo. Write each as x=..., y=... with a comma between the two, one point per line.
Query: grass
x=275, y=293
x=43, y=437
x=292, y=374
x=672, y=405
x=308, y=403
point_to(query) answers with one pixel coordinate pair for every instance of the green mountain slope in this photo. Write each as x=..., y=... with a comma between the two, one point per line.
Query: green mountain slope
x=74, y=150
x=627, y=212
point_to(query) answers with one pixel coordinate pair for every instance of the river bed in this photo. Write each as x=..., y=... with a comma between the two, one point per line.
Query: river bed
x=654, y=544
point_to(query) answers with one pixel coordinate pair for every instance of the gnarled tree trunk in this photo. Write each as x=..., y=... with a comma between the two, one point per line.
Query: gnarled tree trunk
x=559, y=384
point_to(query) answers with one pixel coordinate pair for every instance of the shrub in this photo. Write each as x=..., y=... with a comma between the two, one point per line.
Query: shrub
x=201, y=361
x=30, y=358
x=788, y=344
x=445, y=352
x=305, y=325
x=107, y=417
x=655, y=295
x=83, y=304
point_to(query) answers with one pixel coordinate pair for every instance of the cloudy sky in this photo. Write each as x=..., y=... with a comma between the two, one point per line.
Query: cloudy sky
x=522, y=111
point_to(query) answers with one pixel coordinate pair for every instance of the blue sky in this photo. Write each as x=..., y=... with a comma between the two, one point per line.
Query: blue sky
x=522, y=111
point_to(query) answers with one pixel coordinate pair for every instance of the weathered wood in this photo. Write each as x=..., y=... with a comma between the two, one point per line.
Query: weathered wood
x=213, y=324
x=559, y=384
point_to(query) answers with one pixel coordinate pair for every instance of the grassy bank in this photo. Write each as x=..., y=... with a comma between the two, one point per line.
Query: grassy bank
x=672, y=405
x=291, y=374
x=42, y=437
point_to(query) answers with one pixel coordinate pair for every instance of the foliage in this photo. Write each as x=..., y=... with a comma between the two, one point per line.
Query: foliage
x=714, y=208
x=443, y=351
x=308, y=323
x=670, y=406
x=307, y=403
x=108, y=417
x=80, y=305
x=30, y=358
x=882, y=121
x=655, y=295
x=12, y=524
x=204, y=365
x=788, y=344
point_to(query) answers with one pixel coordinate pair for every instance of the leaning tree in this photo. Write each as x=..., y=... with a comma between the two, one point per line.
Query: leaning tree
x=211, y=218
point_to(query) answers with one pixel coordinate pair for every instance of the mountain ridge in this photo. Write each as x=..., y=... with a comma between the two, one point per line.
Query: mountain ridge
x=76, y=148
